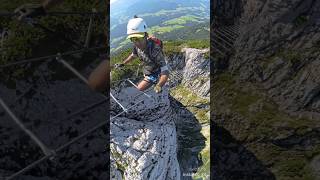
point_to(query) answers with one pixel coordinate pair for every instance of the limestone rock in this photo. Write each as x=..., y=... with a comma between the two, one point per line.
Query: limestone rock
x=193, y=70
x=144, y=142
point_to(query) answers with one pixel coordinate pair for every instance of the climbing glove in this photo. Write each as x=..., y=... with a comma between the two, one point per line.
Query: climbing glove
x=30, y=11
x=157, y=89
x=120, y=65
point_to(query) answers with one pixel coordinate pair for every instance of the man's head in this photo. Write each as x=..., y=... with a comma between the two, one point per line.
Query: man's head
x=137, y=31
x=139, y=41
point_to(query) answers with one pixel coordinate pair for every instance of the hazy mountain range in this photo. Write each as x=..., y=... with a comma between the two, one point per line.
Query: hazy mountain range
x=166, y=19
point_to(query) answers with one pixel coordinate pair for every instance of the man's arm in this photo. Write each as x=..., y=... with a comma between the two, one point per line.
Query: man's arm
x=99, y=78
x=130, y=58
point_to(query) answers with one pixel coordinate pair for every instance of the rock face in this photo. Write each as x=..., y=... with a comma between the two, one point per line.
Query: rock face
x=267, y=99
x=196, y=73
x=279, y=46
x=226, y=11
x=192, y=92
x=193, y=69
x=144, y=143
x=45, y=103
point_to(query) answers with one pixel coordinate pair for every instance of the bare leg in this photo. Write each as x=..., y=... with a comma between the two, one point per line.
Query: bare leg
x=163, y=79
x=143, y=85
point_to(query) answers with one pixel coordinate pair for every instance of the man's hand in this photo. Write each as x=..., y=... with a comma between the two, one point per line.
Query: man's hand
x=30, y=11
x=120, y=65
x=157, y=88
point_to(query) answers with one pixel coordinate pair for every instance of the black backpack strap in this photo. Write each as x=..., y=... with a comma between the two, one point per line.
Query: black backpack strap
x=150, y=46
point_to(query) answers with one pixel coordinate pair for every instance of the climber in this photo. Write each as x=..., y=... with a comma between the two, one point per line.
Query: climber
x=99, y=78
x=149, y=52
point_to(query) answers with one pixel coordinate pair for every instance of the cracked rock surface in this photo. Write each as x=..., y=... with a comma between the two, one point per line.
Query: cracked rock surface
x=193, y=70
x=45, y=104
x=266, y=101
x=144, y=143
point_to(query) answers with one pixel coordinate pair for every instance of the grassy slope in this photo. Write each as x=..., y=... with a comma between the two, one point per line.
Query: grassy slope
x=262, y=122
x=182, y=20
x=25, y=41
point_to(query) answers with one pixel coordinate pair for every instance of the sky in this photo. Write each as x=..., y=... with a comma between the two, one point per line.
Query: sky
x=112, y=1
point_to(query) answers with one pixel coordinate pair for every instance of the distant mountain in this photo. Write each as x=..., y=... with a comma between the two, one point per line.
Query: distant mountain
x=165, y=18
x=125, y=7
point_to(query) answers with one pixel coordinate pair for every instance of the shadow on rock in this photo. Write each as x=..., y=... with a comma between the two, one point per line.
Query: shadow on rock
x=45, y=104
x=190, y=140
x=231, y=160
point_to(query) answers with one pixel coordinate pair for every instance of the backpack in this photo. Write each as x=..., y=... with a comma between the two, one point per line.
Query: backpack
x=151, y=44
x=156, y=41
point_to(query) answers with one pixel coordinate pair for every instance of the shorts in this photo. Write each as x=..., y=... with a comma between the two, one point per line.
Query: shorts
x=154, y=77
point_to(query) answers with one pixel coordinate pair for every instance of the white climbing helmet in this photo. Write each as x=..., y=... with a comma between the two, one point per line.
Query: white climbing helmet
x=136, y=27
